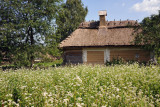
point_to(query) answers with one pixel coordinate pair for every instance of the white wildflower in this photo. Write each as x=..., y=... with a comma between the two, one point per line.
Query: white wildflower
x=26, y=98
x=78, y=105
x=18, y=100
x=50, y=100
x=14, y=103
x=50, y=94
x=23, y=87
x=82, y=104
x=92, y=97
x=125, y=87
x=65, y=101
x=9, y=100
x=45, y=94
x=17, y=105
x=9, y=95
x=4, y=102
x=70, y=94
x=118, y=89
x=79, y=99
x=94, y=105
x=113, y=95
x=117, y=96
x=101, y=88
x=79, y=79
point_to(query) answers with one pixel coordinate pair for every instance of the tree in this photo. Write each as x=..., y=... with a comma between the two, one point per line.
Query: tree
x=52, y=45
x=23, y=26
x=148, y=34
x=69, y=17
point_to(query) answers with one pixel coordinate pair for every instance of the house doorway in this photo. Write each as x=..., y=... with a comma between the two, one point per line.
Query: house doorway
x=95, y=57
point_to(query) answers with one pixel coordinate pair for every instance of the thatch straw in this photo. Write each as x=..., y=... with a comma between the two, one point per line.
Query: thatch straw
x=89, y=34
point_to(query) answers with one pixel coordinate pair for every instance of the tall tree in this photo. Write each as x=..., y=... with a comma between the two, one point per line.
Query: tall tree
x=23, y=26
x=69, y=17
x=148, y=34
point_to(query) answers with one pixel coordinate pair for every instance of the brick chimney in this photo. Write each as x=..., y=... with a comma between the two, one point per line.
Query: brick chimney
x=102, y=16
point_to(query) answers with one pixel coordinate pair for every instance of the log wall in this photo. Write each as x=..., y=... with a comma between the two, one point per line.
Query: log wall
x=130, y=55
x=73, y=56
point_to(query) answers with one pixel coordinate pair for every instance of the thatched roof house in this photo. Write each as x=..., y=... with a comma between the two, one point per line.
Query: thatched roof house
x=101, y=41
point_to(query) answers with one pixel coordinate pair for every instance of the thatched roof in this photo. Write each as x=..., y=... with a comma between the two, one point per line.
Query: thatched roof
x=116, y=33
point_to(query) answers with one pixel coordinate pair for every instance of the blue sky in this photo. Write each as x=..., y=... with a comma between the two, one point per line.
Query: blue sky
x=122, y=9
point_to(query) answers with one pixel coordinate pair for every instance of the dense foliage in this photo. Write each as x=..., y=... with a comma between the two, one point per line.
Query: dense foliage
x=23, y=26
x=30, y=28
x=69, y=17
x=120, y=85
x=149, y=34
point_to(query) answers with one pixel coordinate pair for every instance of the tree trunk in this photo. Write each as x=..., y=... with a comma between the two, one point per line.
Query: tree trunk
x=30, y=33
x=154, y=58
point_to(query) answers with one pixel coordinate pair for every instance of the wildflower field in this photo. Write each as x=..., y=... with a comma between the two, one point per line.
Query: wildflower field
x=81, y=86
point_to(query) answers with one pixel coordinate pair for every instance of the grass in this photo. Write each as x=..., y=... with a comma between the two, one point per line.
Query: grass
x=82, y=85
x=49, y=64
x=55, y=63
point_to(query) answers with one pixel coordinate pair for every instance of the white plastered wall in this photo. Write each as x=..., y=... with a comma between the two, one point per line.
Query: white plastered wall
x=84, y=55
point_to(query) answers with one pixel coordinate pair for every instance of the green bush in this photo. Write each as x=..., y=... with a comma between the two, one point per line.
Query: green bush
x=0, y=61
x=158, y=60
x=46, y=59
x=115, y=61
x=119, y=61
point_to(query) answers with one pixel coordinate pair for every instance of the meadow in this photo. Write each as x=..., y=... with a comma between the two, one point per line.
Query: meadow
x=81, y=86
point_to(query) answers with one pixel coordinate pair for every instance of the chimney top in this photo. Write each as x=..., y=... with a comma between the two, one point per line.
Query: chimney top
x=102, y=13
x=102, y=17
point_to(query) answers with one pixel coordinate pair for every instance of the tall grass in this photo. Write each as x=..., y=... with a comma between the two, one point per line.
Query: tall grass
x=120, y=85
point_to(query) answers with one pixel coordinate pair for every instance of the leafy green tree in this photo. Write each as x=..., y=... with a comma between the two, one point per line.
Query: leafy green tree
x=69, y=17
x=148, y=34
x=23, y=26
x=52, y=46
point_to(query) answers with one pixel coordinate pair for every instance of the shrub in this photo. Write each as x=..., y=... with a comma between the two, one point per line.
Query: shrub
x=116, y=61
x=119, y=61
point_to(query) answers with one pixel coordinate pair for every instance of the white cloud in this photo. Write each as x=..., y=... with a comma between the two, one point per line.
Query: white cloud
x=150, y=6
